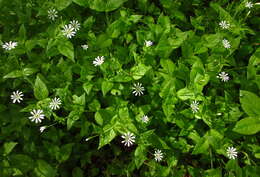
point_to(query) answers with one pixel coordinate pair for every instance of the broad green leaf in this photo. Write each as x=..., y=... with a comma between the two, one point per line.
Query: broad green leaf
x=64, y=153
x=62, y=4
x=201, y=147
x=247, y=126
x=66, y=48
x=8, y=147
x=140, y=156
x=22, y=162
x=250, y=103
x=106, y=86
x=40, y=89
x=168, y=66
x=106, y=137
x=185, y=94
x=105, y=5
x=14, y=74
x=72, y=118
x=87, y=87
x=44, y=169
x=139, y=71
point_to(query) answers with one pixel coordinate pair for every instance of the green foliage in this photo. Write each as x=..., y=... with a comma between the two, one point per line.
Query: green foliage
x=173, y=50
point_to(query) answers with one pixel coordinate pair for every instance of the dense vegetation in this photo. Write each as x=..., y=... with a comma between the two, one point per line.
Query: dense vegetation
x=148, y=88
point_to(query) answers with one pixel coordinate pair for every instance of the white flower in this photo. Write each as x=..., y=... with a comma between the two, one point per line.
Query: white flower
x=87, y=139
x=17, y=96
x=42, y=128
x=224, y=24
x=194, y=106
x=37, y=116
x=55, y=103
x=75, y=24
x=99, y=61
x=223, y=76
x=68, y=31
x=129, y=139
x=231, y=153
x=226, y=43
x=249, y=5
x=9, y=45
x=145, y=119
x=148, y=43
x=52, y=14
x=158, y=155
x=85, y=47
x=138, y=89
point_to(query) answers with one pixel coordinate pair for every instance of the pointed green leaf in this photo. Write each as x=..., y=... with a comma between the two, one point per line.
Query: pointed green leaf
x=40, y=89
x=8, y=147
x=247, y=126
x=250, y=103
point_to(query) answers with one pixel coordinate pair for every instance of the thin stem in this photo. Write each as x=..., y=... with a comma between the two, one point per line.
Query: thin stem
x=211, y=160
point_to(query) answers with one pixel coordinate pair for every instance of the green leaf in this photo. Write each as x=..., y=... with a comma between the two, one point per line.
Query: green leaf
x=105, y=5
x=83, y=3
x=62, y=4
x=139, y=71
x=66, y=48
x=77, y=172
x=87, y=87
x=22, y=162
x=14, y=74
x=8, y=147
x=140, y=155
x=168, y=66
x=106, y=137
x=72, y=118
x=22, y=33
x=106, y=86
x=250, y=103
x=40, y=89
x=201, y=147
x=64, y=153
x=43, y=169
x=185, y=94
x=29, y=71
x=248, y=126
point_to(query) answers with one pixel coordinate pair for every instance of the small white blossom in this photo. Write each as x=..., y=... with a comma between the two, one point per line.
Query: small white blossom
x=249, y=5
x=87, y=139
x=9, y=45
x=129, y=139
x=194, y=106
x=17, y=96
x=158, y=155
x=85, y=47
x=145, y=118
x=231, y=152
x=224, y=24
x=226, y=43
x=42, y=128
x=55, y=103
x=52, y=14
x=223, y=76
x=98, y=61
x=37, y=116
x=148, y=43
x=68, y=31
x=138, y=89
x=75, y=24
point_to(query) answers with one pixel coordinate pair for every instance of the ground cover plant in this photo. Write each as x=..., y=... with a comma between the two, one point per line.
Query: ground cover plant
x=148, y=88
